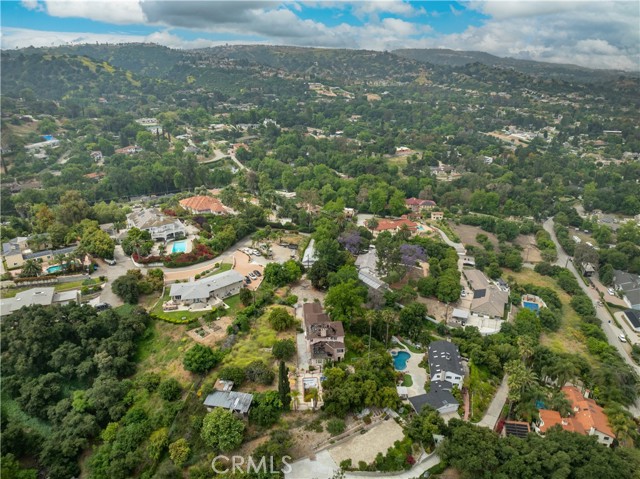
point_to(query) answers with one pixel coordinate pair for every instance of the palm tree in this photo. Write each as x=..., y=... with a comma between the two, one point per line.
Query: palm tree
x=295, y=395
x=30, y=269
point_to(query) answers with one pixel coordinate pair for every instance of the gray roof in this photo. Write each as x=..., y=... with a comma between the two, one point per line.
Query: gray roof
x=444, y=356
x=460, y=313
x=476, y=278
x=490, y=301
x=629, y=284
x=371, y=280
x=151, y=218
x=50, y=252
x=436, y=398
x=203, y=288
x=42, y=296
x=13, y=246
x=633, y=315
x=232, y=400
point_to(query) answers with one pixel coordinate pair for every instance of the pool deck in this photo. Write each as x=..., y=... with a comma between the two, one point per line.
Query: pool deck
x=418, y=373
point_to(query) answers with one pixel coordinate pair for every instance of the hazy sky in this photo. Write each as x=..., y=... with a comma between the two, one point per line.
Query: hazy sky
x=598, y=34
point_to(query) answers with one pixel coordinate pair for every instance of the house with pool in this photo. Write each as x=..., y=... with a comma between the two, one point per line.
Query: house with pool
x=324, y=338
x=160, y=226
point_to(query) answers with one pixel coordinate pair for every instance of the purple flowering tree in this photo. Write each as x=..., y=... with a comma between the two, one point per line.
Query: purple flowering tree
x=350, y=240
x=410, y=254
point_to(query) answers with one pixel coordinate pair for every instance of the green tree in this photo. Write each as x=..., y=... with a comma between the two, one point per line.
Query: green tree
x=221, y=430
x=344, y=301
x=283, y=349
x=137, y=241
x=72, y=208
x=98, y=243
x=246, y=296
x=259, y=372
x=179, y=451
x=284, y=390
x=126, y=288
x=169, y=389
x=280, y=319
x=200, y=359
x=266, y=408
x=157, y=442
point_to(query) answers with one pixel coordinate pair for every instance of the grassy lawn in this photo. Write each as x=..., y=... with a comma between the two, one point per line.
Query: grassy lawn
x=186, y=316
x=59, y=287
x=11, y=292
x=482, y=390
x=569, y=338
x=407, y=381
x=221, y=269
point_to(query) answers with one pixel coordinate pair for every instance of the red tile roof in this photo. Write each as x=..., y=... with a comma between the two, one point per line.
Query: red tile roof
x=386, y=225
x=203, y=204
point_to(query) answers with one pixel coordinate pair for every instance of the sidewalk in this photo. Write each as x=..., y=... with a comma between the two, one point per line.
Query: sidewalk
x=492, y=415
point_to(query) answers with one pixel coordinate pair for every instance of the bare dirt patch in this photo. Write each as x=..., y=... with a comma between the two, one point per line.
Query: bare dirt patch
x=467, y=234
x=530, y=252
x=214, y=333
x=365, y=447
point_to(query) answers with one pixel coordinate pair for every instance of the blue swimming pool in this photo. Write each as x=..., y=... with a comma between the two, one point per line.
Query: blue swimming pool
x=48, y=137
x=532, y=306
x=54, y=269
x=400, y=360
x=179, y=247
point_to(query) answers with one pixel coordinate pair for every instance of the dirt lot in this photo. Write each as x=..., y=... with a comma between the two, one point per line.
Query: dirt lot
x=468, y=234
x=244, y=265
x=216, y=332
x=365, y=447
x=307, y=293
x=530, y=252
x=435, y=308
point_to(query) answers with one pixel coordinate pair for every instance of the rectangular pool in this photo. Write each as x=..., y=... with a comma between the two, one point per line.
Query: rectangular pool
x=179, y=246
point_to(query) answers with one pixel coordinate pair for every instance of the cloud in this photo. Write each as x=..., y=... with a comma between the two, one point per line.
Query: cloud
x=598, y=34
x=120, y=12
x=32, y=5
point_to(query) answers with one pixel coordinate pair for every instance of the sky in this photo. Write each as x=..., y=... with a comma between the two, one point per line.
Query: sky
x=591, y=33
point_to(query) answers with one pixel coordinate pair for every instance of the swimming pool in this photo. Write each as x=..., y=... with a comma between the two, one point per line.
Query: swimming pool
x=48, y=137
x=400, y=360
x=54, y=269
x=532, y=306
x=310, y=383
x=179, y=247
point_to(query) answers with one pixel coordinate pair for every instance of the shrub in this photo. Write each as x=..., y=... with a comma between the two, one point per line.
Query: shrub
x=179, y=451
x=169, y=390
x=280, y=319
x=199, y=359
x=336, y=426
x=233, y=373
x=259, y=372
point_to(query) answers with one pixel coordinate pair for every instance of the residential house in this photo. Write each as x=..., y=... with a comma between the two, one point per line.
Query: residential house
x=439, y=398
x=129, y=150
x=42, y=296
x=233, y=401
x=445, y=363
x=587, y=269
x=12, y=251
x=588, y=418
x=489, y=301
x=216, y=287
x=96, y=155
x=202, y=204
x=396, y=225
x=633, y=318
x=48, y=254
x=160, y=226
x=324, y=338
x=629, y=284
x=437, y=215
x=417, y=205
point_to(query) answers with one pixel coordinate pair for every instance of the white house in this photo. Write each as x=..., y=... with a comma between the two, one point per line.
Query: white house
x=445, y=363
x=160, y=226
x=217, y=287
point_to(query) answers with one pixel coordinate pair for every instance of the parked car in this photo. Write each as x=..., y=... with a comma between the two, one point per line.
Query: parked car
x=257, y=273
x=247, y=280
x=102, y=306
x=252, y=276
x=463, y=294
x=611, y=291
x=622, y=338
x=110, y=262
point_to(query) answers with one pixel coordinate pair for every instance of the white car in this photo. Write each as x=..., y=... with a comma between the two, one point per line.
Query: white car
x=622, y=338
x=611, y=291
x=463, y=294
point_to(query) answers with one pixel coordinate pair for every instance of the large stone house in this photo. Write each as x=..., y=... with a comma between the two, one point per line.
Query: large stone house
x=324, y=338
x=160, y=226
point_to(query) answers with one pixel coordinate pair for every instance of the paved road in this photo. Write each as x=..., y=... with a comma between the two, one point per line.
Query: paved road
x=608, y=326
x=492, y=415
x=459, y=247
